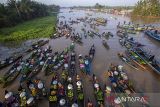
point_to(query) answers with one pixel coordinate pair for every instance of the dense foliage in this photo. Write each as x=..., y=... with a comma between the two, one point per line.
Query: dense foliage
x=14, y=12
x=39, y=27
x=147, y=8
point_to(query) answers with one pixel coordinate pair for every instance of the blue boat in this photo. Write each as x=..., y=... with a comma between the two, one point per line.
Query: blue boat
x=153, y=33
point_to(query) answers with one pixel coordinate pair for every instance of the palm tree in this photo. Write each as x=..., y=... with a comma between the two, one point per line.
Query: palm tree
x=25, y=8
x=13, y=2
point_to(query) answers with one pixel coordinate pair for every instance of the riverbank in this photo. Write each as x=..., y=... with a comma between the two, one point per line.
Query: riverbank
x=37, y=28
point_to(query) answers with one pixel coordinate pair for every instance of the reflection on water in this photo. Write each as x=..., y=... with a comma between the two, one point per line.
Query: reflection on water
x=144, y=81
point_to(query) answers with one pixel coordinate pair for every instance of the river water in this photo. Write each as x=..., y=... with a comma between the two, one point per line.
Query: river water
x=144, y=81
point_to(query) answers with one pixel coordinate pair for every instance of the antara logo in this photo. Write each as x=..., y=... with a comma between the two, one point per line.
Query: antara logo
x=134, y=99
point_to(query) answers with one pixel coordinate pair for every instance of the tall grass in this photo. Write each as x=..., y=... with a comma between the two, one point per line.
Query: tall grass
x=37, y=28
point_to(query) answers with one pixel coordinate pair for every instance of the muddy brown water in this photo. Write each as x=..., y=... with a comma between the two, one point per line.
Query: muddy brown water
x=144, y=81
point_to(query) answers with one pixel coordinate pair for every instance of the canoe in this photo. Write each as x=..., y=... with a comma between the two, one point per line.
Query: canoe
x=72, y=61
x=11, y=99
x=62, y=97
x=149, y=59
x=11, y=78
x=54, y=63
x=127, y=61
x=9, y=61
x=98, y=92
x=92, y=52
x=80, y=92
x=81, y=63
x=70, y=91
x=25, y=98
x=105, y=44
x=136, y=59
x=153, y=34
x=37, y=45
x=120, y=89
x=122, y=34
x=118, y=76
x=35, y=71
x=53, y=94
x=41, y=88
x=121, y=84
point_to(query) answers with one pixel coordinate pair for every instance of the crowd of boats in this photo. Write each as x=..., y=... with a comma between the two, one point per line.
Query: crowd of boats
x=67, y=85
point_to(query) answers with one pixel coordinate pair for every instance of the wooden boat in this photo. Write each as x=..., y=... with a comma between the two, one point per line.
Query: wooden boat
x=81, y=63
x=80, y=92
x=53, y=94
x=153, y=34
x=9, y=61
x=136, y=59
x=127, y=61
x=25, y=98
x=7, y=81
x=149, y=59
x=92, y=52
x=105, y=44
x=70, y=91
x=122, y=34
x=10, y=99
x=99, y=95
x=37, y=45
x=122, y=86
x=62, y=97
x=11, y=74
x=72, y=69
x=41, y=88
x=54, y=63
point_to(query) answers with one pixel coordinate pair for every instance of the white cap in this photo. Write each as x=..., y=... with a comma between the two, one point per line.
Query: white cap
x=42, y=62
x=31, y=86
x=30, y=100
x=86, y=62
x=62, y=102
x=115, y=73
x=19, y=68
x=22, y=94
x=49, y=57
x=40, y=85
x=120, y=67
x=108, y=88
x=96, y=85
x=54, y=82
x=75, y=105
x=70, y=86
x=79, y=83
x=69, y=79
x=66, y=65
x=80, y=55
x=9, y=94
